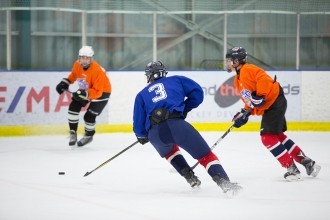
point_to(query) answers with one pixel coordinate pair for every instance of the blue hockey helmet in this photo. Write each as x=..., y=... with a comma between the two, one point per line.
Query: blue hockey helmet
x=155, y=70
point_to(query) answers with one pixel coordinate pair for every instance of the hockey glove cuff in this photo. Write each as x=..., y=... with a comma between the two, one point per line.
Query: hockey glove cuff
x=143, y=140
x=240, y=119
x=62, y=86
x=257, y=101
x=80, y=95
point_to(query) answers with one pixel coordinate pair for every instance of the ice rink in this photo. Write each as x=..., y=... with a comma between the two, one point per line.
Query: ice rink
x=139, y=185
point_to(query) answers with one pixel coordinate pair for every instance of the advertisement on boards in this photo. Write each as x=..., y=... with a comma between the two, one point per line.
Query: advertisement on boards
x=30, y=98
x=221, y=100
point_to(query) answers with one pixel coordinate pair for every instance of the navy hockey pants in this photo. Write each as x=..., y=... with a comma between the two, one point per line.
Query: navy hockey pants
x=177, y=131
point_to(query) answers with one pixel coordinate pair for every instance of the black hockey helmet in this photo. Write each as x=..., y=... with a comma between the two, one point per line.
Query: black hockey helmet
x=237, y=54
x=155, y=70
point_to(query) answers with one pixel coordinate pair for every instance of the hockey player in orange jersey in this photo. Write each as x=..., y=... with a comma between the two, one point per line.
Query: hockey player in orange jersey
x=94, y=89
x=264, y=96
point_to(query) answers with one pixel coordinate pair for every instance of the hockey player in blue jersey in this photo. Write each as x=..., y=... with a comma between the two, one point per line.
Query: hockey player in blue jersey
x=159, y=113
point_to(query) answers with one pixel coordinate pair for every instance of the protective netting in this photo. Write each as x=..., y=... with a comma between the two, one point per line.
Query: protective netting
x=178, y=5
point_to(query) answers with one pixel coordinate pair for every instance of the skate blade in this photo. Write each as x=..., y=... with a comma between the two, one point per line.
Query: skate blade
x=79, y=144
x=293, y=178
x=316, y=170
x=73, y=147
x=196, y=187
x=232, y=193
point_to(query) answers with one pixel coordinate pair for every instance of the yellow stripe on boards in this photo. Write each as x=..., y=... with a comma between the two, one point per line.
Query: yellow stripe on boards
x=7, y=131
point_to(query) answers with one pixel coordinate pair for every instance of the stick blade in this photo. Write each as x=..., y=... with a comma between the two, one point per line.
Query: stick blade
x=87, y=173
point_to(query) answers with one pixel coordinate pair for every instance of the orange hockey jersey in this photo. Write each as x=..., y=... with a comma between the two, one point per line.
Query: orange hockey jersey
x=94, y=79
x=254, y=79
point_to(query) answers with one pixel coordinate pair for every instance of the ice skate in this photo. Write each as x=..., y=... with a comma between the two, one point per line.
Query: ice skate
x=293, y=173
x=312, y=168
x=229, y=188
x=84, y=140
x=73, y=138
x=189, y=175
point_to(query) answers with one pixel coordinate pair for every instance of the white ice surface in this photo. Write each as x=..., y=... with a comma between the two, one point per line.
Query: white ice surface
x=139, y=185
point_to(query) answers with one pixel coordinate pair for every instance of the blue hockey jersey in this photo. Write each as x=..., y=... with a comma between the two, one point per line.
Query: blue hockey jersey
x=172, y=93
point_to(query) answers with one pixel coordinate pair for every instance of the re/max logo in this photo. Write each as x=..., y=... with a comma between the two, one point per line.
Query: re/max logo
x=33, y=97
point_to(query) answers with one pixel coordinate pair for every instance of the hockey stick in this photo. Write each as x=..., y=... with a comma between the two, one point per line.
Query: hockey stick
x=216, y=143
x=104, y=163
x=223, y=136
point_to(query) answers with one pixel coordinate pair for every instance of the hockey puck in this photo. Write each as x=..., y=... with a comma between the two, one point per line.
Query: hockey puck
x=61, y=173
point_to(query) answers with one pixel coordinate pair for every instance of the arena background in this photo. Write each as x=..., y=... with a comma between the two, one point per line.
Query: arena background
x=40, y=41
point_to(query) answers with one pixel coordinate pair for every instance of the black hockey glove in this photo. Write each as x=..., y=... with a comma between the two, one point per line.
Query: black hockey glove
x=240, y=120
x=62, y=86
x=185, y=113
x=143, y=140
x=80, y=95
x=257, y=101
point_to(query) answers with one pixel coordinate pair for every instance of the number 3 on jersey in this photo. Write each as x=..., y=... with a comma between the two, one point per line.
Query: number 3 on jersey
x=159, y=90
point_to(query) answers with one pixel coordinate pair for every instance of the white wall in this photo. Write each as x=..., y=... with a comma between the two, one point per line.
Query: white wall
x=315, y=96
